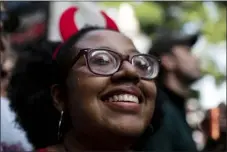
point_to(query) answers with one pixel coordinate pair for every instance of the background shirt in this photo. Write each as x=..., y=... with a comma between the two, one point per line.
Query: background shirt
x=10, y=131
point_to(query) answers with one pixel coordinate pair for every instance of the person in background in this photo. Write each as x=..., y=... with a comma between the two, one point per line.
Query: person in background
x=179, y=70
x=12, y=137
x=219, y=143
x=11, y=134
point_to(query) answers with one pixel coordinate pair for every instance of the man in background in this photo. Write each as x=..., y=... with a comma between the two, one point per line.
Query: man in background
x=179, y=70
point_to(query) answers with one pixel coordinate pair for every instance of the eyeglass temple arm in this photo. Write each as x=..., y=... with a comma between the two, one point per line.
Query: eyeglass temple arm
x=81, y=52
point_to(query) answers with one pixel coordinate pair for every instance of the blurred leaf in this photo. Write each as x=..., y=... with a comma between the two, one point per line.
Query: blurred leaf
x=149, y=12
x=211, y=69
x=110, y=4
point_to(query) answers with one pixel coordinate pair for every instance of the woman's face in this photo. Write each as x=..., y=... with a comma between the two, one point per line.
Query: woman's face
x=89, y=95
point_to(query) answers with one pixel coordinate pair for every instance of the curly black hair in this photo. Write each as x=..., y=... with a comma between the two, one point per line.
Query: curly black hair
x=29, y=94
x=29, y=90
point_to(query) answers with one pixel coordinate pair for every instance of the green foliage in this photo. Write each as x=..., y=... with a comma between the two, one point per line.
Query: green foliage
x=149, y=12
x=155, y=14
x=110, y=4
x=214, y=31
x=211, y=69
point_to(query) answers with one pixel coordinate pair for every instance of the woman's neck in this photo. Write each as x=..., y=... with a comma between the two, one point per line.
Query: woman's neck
x=89, y=143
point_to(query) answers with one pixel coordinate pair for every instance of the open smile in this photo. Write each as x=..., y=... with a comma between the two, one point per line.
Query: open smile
x=125, y=99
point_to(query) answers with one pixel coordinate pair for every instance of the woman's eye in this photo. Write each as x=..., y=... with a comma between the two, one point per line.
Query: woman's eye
x=141, y=64
x=101, y=60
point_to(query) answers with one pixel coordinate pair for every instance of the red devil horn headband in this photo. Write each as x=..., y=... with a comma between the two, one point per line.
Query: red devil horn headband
x=68, y=25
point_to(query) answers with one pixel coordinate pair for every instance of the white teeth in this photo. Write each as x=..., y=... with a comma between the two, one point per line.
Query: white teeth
x=124, y=97
x=115, y=98
x=120, y=97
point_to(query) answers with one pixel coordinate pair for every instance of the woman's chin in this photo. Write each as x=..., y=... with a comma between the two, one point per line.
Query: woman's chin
x=130, y=130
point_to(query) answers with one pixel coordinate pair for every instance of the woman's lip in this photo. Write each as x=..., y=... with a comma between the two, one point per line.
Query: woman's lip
x=128, y=107
x=123, y=90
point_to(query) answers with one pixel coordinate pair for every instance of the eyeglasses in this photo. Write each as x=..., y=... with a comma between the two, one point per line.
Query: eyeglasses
x=105, y=62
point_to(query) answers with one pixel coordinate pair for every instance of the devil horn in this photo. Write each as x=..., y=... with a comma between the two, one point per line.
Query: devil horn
x=67, y=25
x=110, y=24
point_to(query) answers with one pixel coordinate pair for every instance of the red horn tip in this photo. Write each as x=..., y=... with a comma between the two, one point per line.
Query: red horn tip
x=110, y=24
x=67, y=25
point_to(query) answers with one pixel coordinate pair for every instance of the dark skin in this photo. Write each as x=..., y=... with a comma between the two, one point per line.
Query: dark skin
x=95, y=126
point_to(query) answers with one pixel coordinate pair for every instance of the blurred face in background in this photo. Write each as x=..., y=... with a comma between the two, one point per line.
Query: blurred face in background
x=187, y=66
x=7, y=58
x=6, y=66
x=7, y=55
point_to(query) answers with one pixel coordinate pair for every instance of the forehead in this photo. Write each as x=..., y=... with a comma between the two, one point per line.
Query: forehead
x=181, y=47
x=181, y=50
x=106, y=38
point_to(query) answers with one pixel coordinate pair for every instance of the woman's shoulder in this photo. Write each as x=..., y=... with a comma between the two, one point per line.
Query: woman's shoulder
x=42, y=150
x=48, y=149
x=55, y=148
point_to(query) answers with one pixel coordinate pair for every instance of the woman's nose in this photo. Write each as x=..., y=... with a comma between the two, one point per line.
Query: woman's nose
x=127, y=73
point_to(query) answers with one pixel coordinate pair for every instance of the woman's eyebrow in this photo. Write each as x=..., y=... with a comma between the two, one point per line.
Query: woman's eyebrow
x=134, y=51
x=100, y=47
x=105, y=47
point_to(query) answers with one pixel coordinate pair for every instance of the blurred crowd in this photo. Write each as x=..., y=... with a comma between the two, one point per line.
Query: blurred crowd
x=26, y=23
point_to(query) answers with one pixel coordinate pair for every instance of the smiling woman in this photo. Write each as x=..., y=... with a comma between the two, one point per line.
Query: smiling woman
x=97, y=87
x=95, y=93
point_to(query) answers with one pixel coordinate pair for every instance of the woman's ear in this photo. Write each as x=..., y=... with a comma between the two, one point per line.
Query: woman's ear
x=58, y=97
